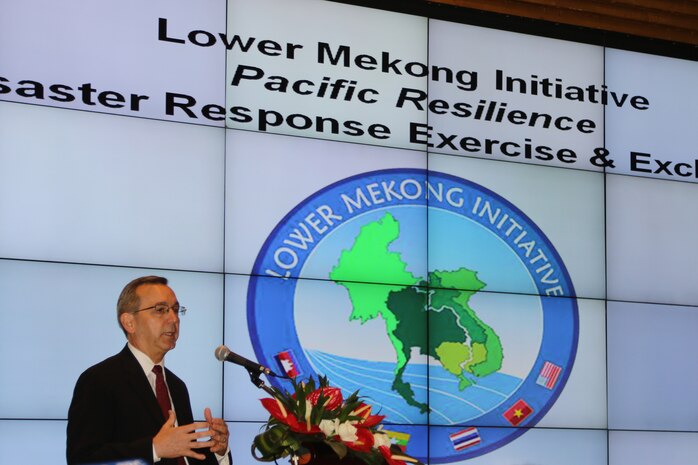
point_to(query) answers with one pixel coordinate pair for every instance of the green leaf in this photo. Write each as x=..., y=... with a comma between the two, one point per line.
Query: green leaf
x=353, y=397
x=324, y=382
x=310, y=385
x=270, y=443
x=338, y=448
x=317, y=414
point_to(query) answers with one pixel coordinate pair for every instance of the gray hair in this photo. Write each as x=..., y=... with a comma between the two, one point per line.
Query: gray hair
x=128, y=299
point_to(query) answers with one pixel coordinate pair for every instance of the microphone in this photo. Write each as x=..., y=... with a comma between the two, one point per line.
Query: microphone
x=224, y=354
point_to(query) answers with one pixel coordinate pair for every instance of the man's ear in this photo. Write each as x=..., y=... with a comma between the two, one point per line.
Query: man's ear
x=128, y=322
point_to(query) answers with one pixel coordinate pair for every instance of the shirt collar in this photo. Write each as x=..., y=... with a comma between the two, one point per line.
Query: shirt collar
x=144, y=361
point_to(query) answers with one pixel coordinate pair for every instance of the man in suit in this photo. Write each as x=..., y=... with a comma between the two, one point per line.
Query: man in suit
x=128, y=407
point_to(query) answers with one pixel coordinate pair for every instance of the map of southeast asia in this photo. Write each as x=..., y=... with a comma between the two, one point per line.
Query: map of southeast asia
x=464, y=345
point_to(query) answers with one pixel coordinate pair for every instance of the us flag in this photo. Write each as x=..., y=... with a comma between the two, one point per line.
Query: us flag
x=548, y=375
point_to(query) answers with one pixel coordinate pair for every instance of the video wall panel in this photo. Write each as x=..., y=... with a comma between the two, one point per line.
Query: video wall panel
x=647, y=447
x=63, y=318
x=490, y=234
x=105, y=189
x=314, y=190
x=650, y=131
x=571, y=447
x=23, y=435
x=650, y=236
x=313, y=76
x=507, y=100
x=666, y=404
x=147, y=60
x=520, y=217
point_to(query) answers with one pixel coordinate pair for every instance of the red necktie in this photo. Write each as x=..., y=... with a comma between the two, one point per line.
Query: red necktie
x=161, y=392
x=163, y=398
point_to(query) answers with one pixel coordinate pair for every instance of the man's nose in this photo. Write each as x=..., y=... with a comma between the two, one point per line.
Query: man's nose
x=172, y=314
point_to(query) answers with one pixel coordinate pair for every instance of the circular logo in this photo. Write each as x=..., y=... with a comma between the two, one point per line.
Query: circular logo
x=436, y=298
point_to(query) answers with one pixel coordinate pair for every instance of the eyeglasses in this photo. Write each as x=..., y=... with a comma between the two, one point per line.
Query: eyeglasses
x=162, y=309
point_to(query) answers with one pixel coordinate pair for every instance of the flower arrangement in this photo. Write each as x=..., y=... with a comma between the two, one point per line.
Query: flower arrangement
x=316, y=415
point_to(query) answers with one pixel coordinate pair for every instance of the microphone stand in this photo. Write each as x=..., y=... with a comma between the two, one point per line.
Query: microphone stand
x=259, y=383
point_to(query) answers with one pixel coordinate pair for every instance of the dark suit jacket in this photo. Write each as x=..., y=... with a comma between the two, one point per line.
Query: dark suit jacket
x=114, y=414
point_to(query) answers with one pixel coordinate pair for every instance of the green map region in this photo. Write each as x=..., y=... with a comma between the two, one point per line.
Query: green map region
x=456, y=337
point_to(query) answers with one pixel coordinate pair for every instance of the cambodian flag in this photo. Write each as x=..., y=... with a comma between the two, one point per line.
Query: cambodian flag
x=288, y=363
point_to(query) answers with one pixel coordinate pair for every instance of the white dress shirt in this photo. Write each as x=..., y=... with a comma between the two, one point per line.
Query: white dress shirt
x=147, y=365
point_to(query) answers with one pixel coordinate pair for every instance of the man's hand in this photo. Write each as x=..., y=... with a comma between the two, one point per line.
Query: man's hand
x=180, y=441
x=218, y=431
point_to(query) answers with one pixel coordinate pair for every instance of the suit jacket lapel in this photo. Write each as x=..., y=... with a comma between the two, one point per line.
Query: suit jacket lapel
x=140, y=386
x=180, y=399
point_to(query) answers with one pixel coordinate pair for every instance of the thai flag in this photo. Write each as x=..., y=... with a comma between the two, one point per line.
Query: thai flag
x=288, y=363
x=548, y=375
x=465, y=438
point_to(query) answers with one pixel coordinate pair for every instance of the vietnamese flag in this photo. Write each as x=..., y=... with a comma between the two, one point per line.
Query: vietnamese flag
x=518, y=412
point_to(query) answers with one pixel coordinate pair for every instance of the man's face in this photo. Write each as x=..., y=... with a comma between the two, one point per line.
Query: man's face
x=151, y=333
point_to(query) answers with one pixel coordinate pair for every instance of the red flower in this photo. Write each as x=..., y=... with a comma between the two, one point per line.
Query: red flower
x=333, y=397
x=388, y=456
x=276, y=410
x=364, y=441
x=364, y=411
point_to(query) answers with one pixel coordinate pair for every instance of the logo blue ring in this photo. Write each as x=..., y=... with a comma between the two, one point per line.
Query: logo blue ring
x=271, y=299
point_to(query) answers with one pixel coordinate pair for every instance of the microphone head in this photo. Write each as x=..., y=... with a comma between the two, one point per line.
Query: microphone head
x=222, y=353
